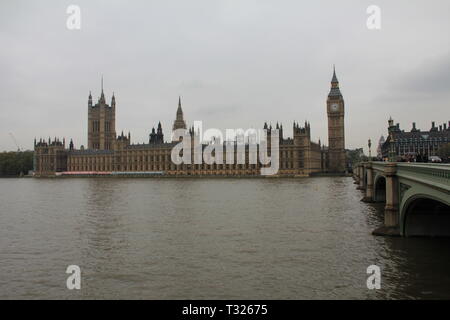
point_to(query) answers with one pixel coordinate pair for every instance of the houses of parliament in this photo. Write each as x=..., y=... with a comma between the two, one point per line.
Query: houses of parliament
x=110, y=154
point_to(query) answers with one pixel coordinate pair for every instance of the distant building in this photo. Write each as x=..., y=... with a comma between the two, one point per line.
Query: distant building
x=107, y=153
x=415, y=143
x=380, y=147
x=354, y=156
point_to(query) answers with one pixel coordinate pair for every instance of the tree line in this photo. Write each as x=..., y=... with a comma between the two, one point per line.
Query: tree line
x=16, y=163
x=444, y=152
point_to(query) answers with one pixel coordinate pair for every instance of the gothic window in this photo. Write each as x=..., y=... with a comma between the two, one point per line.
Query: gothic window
x=96, y=126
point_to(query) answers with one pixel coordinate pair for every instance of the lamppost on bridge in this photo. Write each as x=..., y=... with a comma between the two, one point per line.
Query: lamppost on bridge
x=370, y=151
x=392, y=156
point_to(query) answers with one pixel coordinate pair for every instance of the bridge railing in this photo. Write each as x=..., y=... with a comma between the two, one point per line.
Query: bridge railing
x=437, y=175
x=379, y=165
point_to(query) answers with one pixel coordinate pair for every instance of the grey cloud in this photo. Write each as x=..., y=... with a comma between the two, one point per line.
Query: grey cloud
x=430, y=78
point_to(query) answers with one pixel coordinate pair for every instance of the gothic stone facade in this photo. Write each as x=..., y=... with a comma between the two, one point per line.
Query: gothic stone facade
x=107, y=153
x=401, y=143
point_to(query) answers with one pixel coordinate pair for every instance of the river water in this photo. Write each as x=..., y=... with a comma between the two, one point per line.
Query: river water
x=206, y=239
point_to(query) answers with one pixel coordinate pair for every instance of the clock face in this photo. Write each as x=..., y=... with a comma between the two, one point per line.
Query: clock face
x=334, y=107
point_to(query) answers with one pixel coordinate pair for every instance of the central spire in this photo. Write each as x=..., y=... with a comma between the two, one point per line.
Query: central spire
x=179, y=122
x=102, y=97
x=179, y=110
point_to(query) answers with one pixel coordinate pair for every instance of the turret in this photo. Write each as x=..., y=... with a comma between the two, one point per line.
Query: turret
x=279, y=127
x=433, y=126
x=390, y=122
x=159, y=131
x=300, y=134
x=113, y=101
x=102, y=99
x=152, y=136
x=90, y=100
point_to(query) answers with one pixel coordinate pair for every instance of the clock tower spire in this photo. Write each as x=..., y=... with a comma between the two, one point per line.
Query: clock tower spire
x=336, y=131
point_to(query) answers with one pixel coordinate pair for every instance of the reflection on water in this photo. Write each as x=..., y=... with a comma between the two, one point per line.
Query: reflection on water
x=206, y=238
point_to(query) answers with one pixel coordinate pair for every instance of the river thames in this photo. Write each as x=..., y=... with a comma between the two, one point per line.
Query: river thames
x=187, y=238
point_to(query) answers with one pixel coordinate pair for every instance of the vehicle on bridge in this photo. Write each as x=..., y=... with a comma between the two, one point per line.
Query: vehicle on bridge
x=434, y=159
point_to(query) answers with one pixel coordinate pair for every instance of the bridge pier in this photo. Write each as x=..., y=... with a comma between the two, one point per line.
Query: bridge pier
x=392, y=190
x=361, y=178
x=356, y=174
x=369, y=197
x=391, y=210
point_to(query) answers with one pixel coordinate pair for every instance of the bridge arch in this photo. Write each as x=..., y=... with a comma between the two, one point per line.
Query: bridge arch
x=379, y=188
x=425, y=215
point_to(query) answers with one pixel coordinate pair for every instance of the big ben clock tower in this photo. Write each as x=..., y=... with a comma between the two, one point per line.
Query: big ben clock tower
x=336, y=132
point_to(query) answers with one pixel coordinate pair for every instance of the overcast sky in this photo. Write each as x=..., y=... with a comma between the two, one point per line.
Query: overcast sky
x=236, y=64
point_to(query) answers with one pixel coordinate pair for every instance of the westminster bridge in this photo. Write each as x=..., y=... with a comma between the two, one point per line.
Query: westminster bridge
x=416, y=196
